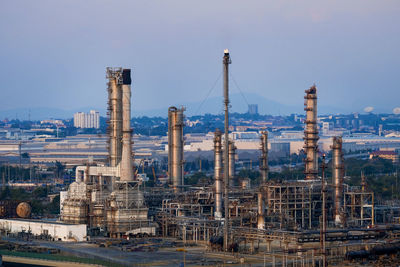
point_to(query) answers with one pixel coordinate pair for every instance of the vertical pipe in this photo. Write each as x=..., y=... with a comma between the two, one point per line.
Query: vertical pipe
x=126, y=160
x=178, y=154
x=337, y=177
x=113, y=121
x=119, y=118
x=115, y=99
x=323, y=232
x=217, y=173
x=264, y=156
x=170, y=174
x=226, y=62
x=311, y=134
x=232, y=171
x=176, y=146
x=260, y=210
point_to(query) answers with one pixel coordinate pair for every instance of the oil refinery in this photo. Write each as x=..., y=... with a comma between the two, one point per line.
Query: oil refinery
x=309, y=222
x=315, y=220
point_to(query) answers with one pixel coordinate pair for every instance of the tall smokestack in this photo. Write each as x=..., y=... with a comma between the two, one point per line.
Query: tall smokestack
x=115, y=99
x=126, y=161
x=232, y=170
x=311, y=134
x=176, y=145
x=337, y=176
x=226, y=61
x=264, y=156
x=218, y=173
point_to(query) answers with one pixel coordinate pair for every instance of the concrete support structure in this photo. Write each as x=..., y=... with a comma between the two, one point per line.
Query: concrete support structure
x=175, y=147
x=264, y=156
x=126, y=160
x=337, y=178
x=311, y=134
x=232, y=170
x=218, y=173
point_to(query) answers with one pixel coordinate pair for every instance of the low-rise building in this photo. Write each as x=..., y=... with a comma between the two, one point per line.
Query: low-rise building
x=57, y=230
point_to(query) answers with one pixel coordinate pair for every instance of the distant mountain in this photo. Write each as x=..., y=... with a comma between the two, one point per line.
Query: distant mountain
x=214, y=105
x=239, y=103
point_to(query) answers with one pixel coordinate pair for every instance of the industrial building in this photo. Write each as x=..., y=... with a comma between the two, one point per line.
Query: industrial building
x=107, y=197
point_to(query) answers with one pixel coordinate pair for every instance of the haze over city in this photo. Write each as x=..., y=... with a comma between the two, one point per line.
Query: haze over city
x=53, y=53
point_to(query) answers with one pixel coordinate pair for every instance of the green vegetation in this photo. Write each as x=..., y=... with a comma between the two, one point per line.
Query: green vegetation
x=37, y=199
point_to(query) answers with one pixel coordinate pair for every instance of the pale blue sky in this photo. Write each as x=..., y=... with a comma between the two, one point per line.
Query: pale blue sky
x=54, y=53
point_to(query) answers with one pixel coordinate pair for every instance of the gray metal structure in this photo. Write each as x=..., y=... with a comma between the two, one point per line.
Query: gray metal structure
x=218, y=173
x=264, y=156
x=114, y=76
x=175, y=147
x=337, y=178
x=226, y=61
x=311, y=134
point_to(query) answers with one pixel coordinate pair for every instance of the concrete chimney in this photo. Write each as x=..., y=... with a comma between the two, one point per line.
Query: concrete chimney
x=126, y=161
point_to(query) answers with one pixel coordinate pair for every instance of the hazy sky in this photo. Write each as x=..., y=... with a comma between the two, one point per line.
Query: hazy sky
x=54, y=53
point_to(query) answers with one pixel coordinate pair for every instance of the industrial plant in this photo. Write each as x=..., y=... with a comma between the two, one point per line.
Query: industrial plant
x=315, y=220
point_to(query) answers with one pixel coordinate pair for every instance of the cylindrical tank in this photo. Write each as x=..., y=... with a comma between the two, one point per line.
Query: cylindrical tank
x=337, y=176
x=175, y=147
x=260, y=211
x=218, y=173
x=23, y=210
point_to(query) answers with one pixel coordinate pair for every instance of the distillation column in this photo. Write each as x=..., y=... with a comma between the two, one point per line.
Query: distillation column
x=260, y=211
x=175, y=146
x=170, y=110
x=264, y=156
x=126, y=161
x=311, y=134
x=337, y=177
x=218, y=173
x=226, y=61
x=115, y=107
x=232, y=170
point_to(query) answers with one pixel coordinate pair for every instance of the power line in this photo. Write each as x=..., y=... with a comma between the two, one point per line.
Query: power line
x=208, y=94
x=237, y=86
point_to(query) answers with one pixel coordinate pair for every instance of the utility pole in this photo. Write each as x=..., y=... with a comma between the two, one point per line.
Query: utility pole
x=226, y=61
